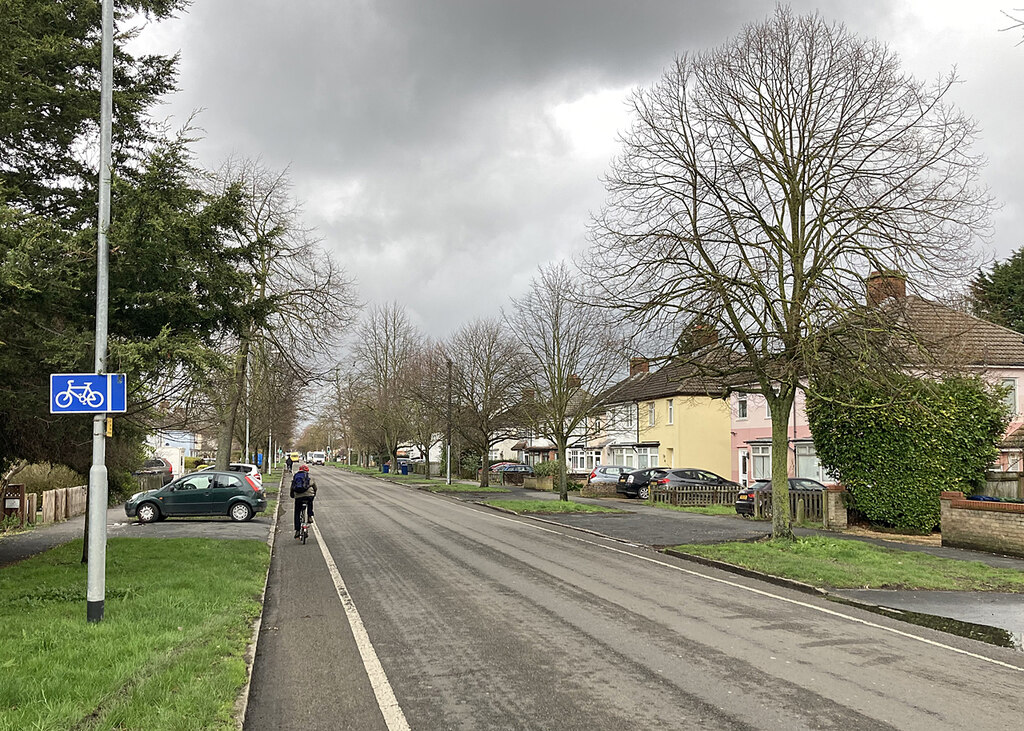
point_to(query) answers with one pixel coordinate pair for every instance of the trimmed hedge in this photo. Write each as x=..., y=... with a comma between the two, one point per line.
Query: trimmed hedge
x=896, y=453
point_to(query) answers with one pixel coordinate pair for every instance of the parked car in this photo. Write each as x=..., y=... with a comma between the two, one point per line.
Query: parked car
x=157, y=466
x=745, y=499
x=244, y=467
x=206, y=492
x=516, y=467
x=637, y=482
x=606, y=473
x=698, y=478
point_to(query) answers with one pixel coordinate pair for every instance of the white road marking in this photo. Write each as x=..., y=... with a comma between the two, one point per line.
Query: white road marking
x=768, y=594
x=386, y=701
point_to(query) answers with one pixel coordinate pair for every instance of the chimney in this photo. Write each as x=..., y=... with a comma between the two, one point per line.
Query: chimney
x=573, y=381
x=885, y=285
x=639, y=365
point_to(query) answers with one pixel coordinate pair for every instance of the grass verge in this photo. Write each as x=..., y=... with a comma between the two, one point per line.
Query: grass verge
x=832, y=563
x=169, y=653
x=549, y=506
x=703, y=510
x=461, y=487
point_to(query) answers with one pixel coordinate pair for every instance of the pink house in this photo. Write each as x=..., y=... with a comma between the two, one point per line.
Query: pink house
x=995, y=352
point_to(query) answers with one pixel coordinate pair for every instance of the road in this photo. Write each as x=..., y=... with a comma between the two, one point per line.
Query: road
x=482, y=620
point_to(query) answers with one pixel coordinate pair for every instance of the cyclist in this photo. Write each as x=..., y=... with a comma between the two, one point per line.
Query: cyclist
x=303, y=490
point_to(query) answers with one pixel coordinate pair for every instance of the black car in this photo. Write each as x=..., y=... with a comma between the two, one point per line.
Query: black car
x=157, y=466
x=746, y=498
x=206, y=492
x=638, y=482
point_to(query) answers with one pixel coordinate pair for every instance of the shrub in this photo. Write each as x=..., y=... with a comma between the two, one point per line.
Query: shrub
x=547, y=469
x=896, y=452
x=40, y=477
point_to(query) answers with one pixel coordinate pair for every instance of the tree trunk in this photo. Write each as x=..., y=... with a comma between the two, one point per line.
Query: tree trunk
x=485, y=468
x=563, y=489
x=781, y=524
x=227, y=429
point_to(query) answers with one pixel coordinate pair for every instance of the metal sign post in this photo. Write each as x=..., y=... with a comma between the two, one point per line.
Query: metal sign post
x=97, y=549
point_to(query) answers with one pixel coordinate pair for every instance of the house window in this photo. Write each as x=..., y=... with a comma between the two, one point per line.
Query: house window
x=650, y=413
x=630, y=416
x=671, y=412
x=762, y=456
x=646, y=457
x=807, y=464
x=1010, y=399
x=767, y=409
x=741, y=406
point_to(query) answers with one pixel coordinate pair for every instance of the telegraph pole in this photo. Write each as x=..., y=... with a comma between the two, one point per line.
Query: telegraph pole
x=449, y=478
x=97, y=548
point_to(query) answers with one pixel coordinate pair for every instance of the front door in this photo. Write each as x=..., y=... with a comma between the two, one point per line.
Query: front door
x=744, y=465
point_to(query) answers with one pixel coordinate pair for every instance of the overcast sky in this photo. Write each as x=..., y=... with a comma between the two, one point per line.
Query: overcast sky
x=445, y=148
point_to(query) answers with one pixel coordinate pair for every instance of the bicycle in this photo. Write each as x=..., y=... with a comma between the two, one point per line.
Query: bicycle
x=304, y=523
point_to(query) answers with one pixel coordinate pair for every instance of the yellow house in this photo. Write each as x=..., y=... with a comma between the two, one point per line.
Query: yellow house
x=669, y=418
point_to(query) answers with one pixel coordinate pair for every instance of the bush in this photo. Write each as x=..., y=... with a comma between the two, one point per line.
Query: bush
x=40, y=477
x=550, y=468
x=896, y=452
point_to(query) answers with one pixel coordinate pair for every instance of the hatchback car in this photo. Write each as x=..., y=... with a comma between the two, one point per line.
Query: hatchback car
x=157, y=466
x=245, y=468
x=746, y=498
x=607, y=473
x=638, y=482
x=206, y=492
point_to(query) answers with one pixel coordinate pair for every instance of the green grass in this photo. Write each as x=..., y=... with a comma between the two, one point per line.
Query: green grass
x=549, y=506
x=703, y=510
x=849, y=564
x=461, y=487
x=169, y=653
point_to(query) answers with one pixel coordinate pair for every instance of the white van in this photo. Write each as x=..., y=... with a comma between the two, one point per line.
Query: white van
x=317, y=457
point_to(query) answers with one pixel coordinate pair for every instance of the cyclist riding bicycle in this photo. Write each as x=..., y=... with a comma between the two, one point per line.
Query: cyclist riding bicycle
x=303, y=490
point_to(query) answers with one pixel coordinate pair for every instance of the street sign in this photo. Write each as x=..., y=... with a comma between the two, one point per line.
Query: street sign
x=88, y=393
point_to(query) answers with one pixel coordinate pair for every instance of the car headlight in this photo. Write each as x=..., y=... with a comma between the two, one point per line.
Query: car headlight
x=135, y=497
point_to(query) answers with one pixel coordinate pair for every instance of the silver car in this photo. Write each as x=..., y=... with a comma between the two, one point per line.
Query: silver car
x=608, y=473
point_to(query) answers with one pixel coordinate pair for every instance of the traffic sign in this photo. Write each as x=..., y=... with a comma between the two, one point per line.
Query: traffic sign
x=88, y=393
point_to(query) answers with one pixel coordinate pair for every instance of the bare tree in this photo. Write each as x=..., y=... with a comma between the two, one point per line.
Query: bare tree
x=487, y=381
x=573, y=355
x=299, y=300
x=386, y=344
x=763, y=180
x=427, y=398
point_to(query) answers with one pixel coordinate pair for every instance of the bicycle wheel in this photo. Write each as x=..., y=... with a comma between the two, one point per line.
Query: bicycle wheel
x=62, y=399
x=305, y=534
x=94, y=399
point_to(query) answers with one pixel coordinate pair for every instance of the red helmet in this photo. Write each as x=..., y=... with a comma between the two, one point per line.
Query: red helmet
x=304, y=468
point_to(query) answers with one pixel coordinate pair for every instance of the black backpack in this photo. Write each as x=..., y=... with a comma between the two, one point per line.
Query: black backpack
x=300, y=483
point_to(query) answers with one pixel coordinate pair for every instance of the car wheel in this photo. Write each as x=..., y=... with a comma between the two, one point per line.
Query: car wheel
x=644, y=492
x=240, y=512
x=147, y=513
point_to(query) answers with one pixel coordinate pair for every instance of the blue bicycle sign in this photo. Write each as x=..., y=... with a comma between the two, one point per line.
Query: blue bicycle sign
x=88, y=393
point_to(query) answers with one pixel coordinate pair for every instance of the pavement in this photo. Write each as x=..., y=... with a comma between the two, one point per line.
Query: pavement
x=642, y=525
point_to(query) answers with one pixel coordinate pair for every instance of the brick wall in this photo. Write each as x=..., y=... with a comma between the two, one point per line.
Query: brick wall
x=982, y=526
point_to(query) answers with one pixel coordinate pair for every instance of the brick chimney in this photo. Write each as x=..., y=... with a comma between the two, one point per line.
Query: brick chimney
x=639, y=365
x=573, y=381
x=885, y=285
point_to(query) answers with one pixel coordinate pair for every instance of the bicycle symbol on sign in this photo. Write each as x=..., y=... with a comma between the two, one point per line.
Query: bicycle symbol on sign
x=84, y=394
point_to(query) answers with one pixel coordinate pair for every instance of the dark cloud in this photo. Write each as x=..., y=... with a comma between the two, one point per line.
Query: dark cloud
x=424, y=135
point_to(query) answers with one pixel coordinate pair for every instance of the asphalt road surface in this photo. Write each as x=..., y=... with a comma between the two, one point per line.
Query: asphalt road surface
x=448, y=615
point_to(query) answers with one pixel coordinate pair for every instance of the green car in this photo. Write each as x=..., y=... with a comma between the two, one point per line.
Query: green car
x=201, y=493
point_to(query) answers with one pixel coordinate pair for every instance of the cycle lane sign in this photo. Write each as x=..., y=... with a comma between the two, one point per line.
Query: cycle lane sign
x=88, y=393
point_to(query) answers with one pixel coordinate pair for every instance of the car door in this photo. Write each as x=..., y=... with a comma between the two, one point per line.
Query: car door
x=189, y=496
x=223, y=488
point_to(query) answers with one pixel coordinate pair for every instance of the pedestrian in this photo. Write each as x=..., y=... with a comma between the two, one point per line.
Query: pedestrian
x=288, y=463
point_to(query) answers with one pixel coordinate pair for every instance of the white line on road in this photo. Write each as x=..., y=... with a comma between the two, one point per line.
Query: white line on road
x=769, y=594
x=386, y=701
